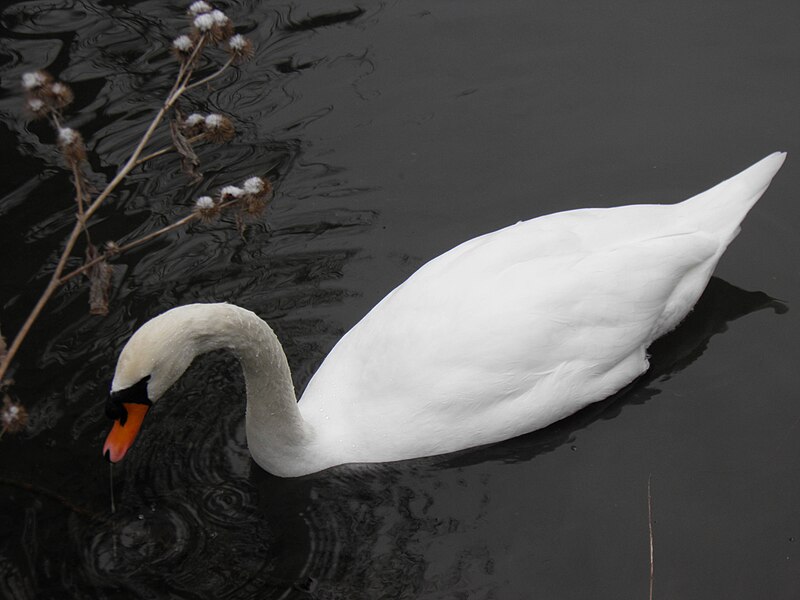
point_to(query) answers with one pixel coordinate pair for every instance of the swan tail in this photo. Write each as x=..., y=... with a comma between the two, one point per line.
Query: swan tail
x=720, y=210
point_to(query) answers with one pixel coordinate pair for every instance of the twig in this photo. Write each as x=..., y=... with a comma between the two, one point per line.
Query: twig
x=214, y=75
x=137, y=242
x=650, y=529
x=168, y=149
x=81, y=222
x=87, y=206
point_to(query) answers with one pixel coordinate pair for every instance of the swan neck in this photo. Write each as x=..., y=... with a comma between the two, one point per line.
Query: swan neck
x=277, y=435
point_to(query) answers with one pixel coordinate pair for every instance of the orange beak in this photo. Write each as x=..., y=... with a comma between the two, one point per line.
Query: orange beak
x=121, y=437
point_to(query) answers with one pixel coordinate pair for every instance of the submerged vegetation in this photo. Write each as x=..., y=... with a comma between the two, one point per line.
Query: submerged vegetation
x=211, y=33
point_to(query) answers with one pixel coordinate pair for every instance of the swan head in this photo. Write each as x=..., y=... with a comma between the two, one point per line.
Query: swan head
x=153, y=359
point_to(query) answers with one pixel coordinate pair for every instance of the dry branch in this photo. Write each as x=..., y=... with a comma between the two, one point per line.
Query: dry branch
x=46, y=98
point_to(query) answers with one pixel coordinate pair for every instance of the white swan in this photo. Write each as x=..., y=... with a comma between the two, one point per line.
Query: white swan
x=500, y=336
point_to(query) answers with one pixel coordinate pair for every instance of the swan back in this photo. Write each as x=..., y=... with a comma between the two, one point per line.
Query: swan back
x=515, y=329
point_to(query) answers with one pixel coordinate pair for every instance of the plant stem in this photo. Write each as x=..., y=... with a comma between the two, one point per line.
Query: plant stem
x=82, y=219
x=168, y=149
x=650, y=529
x=214, y=75
x=137, y=242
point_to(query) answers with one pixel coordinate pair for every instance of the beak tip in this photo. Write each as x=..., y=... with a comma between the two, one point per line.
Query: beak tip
x=122, y=435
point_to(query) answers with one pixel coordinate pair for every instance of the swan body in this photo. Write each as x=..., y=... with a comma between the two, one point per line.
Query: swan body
x=500, y=336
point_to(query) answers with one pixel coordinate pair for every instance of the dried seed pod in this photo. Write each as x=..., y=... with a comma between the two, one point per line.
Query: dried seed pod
x=182, y=47
x=60, y=94
x=257, y=191
x=37, y=107
x=194, y=124
x=254, y=205
x=13, y=416
x=240, y=48
x=198, y=8
x=230, y=192
x=219, y=128
x=222, y=28
x=257, y=186
x=34, y=82
x=207, y=208
x=203, y=23
x=71, y=144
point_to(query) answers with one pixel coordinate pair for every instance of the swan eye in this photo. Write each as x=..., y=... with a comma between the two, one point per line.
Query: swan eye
x=136, y=394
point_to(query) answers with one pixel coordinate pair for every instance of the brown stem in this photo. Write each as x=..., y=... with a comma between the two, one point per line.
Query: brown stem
x=82, y=220
x=137, y=242
x=168, y=149
x=52, y=286
x=214, y=75
x=185, y=71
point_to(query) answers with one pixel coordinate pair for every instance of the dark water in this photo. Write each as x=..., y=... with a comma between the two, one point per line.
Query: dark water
x=394, y=130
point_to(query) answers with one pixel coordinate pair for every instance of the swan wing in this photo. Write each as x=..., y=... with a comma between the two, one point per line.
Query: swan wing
x=571, y=306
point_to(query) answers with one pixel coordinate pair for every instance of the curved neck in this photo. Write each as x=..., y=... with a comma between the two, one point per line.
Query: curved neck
x=278, y=437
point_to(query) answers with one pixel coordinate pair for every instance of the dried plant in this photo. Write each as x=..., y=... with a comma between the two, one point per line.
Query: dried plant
x=46, y=98
x=13, y=417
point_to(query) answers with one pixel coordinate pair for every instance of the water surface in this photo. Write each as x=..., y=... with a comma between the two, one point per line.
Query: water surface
x=393, y=131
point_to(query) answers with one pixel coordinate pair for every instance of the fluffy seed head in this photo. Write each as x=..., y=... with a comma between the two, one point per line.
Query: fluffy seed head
x=237, y=42
x=193, y=124
x=222, y=28
x=204, y=202
x=240, y=48
x=206, y=208
x=204, y=22
x=254, y=185
x=257, y=192
x=67, y=136
x=219, y=128
x=38, y=107
x=214, y=120
x=71, y=144
x=13, y=416
x=220, y=18
x=60, y=94
x=195, y=119
x=34, y=80
x=231, y=192
x=182, y=43
x=199, y=7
